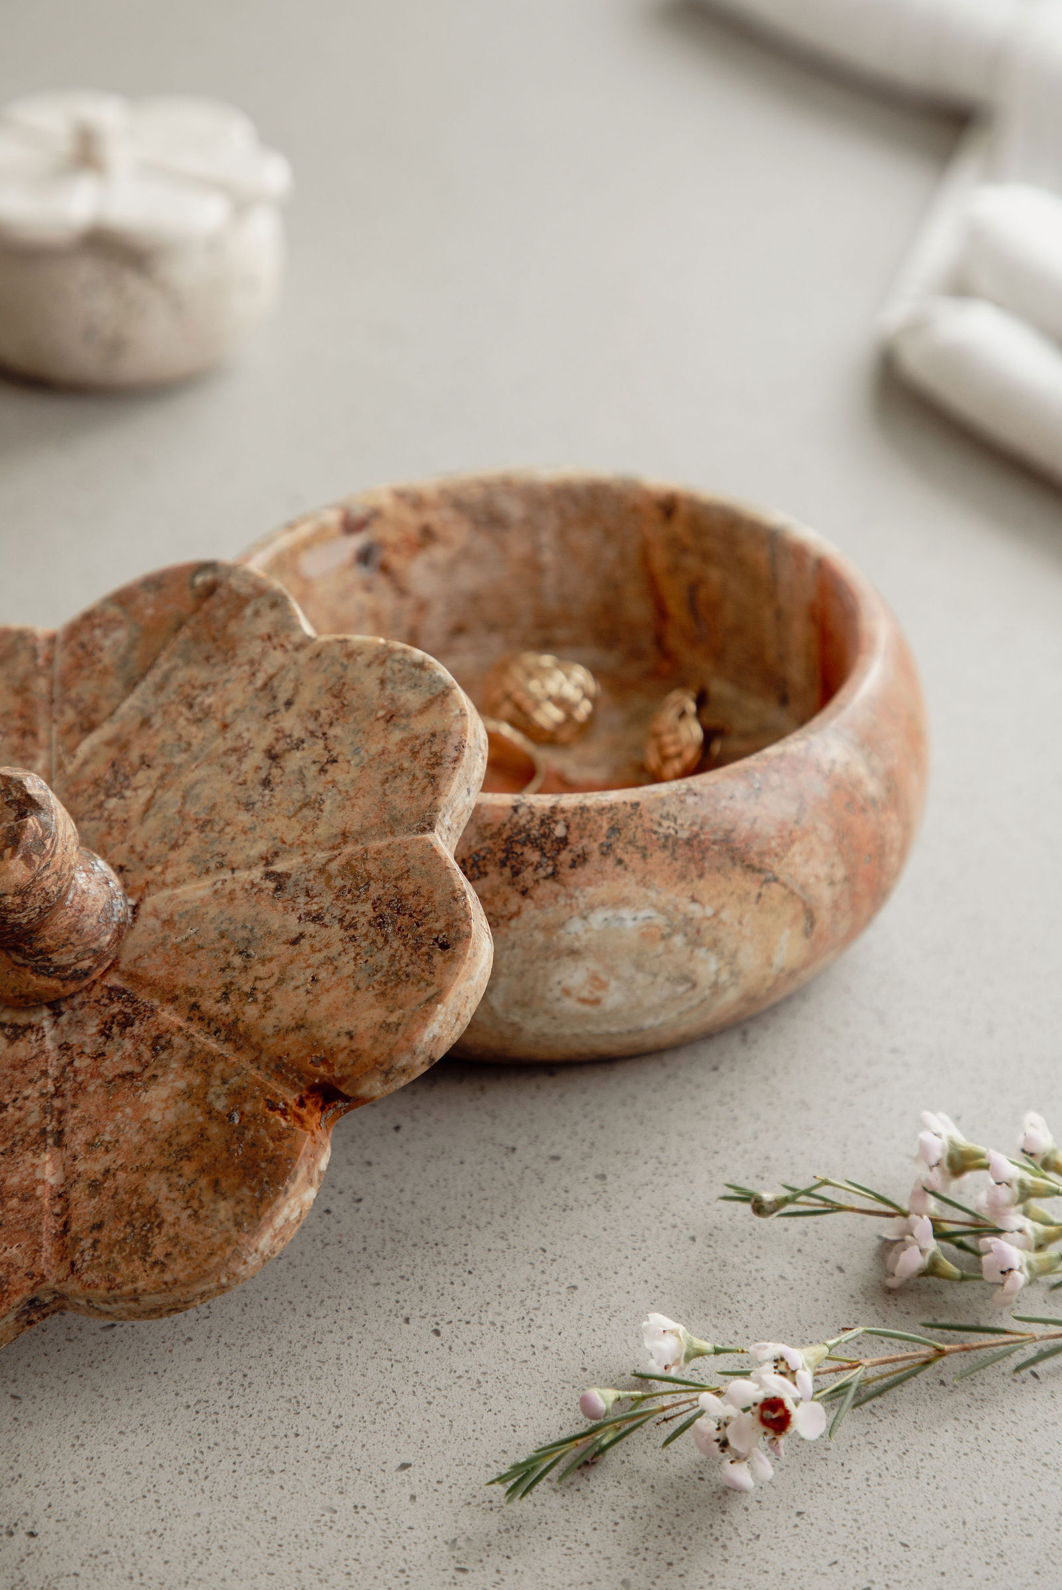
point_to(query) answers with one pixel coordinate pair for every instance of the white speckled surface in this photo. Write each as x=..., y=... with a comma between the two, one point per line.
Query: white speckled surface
x=614, y=234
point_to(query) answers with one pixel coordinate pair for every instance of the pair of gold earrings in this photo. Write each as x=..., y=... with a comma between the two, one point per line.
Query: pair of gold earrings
x=533, y=698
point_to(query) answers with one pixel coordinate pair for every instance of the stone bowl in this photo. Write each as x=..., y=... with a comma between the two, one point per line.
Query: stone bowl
x=629, y=915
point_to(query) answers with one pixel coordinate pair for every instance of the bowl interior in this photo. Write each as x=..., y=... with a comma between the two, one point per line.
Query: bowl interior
x=650, y=587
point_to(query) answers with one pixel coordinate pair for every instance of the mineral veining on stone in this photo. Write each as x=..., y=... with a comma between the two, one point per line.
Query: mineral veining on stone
x=281, y=810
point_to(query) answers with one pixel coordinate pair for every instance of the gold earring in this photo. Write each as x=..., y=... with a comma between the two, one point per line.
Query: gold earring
x=547, y=698
x=677, y=740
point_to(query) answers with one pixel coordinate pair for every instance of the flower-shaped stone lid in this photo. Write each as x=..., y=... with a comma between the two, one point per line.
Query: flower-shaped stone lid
x=150, y=173
x=281, y=811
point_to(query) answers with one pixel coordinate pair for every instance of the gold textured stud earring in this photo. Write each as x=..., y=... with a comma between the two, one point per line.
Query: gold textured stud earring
x=678, y=741
x=547, y=698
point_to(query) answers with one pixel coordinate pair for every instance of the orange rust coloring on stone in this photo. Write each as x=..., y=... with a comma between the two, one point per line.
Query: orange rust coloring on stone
x=63, y=912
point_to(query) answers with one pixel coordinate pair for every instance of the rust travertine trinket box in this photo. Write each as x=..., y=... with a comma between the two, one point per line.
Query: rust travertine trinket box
x=229, y=912
x=628, y=915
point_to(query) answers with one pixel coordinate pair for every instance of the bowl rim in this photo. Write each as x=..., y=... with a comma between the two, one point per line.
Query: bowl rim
x=873, y=618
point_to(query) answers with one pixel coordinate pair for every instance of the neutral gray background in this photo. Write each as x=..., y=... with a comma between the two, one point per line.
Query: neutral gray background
x=614, y=234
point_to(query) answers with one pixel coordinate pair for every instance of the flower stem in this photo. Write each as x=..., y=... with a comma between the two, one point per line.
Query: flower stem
x=945, y=1350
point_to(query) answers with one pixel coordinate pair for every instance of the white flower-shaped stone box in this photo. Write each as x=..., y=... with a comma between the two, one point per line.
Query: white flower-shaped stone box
x=139, y=240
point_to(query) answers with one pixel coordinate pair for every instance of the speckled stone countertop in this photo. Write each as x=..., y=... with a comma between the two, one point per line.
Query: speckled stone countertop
x=612, y=235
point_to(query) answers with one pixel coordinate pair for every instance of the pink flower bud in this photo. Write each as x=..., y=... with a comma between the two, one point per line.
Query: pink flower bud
x=592, y=1404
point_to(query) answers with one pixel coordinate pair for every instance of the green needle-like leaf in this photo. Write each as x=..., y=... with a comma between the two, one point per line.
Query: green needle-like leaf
x=540, y=1475
x=798, y=1214
x=846, y=1401
x=963, y=1208
x=993, y=1358
x=803, y=1192
x=963, y=1243
x=564, y=1441
x=830, y=1393
x=819, y=1196
x=680, y=1429
x=1025, y=1163
x=530, y=1477
x=836, y=1387
x=972, y=1330
x=526, y=1466
x=879, y=1198
x=1037, y=1319
x=1038, y=1358
x=676, y=1380
x=900, y=1336
x=602, y=1445
x=882, y=1386
x=845, y=1336
x=584, y=1456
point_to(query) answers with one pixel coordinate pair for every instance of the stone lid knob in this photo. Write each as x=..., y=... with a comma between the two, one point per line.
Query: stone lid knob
x=63, y=912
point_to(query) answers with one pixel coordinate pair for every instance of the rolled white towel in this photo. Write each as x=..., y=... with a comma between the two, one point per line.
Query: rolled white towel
x=1027, y=137
x=946, y=50
x=1011, y=252
x=989, y=369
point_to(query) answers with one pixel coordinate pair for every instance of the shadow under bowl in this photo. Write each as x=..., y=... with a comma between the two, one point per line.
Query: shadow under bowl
x=629, y=915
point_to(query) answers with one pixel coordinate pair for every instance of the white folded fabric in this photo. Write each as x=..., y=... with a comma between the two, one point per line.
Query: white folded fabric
x=944, y=49
x=1011, y=252
x=974, y=319
x=1027, y=134
x=990, y=369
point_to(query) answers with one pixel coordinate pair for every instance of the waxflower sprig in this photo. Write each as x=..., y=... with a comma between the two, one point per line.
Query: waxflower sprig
x=746, y=1413
x=1008, y=1231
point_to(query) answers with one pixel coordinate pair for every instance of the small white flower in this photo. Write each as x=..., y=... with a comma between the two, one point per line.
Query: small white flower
x=945, y=1153
x=1004, y=1266
x=1036, y=1140
x=665, y=1343
x=1019, y=1230
x=1003, y=1173
x=1009, y=1268
x=912, y=1245
x=792, y=1358
x=670, y=1345
x=782, y=1408
x=933, y=1139
x=709, y=1433
x=921, y=1201
x=762, y=1408
x=1010, y=1185
x=741, y=1475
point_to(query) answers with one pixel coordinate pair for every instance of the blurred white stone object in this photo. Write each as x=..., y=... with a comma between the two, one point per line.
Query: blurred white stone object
x=139, y=240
